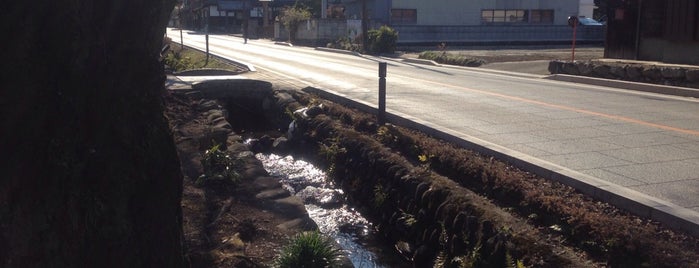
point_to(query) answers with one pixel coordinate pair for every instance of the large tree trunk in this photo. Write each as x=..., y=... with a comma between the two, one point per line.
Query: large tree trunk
x=89, y=176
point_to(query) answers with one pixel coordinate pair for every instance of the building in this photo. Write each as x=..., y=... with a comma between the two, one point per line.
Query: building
x=483, y=12
x=489, y=21
x=230, y=16
x=417, y=21
x=653, y=30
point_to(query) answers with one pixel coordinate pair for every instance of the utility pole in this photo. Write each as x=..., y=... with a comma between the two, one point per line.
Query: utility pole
x=365, y=26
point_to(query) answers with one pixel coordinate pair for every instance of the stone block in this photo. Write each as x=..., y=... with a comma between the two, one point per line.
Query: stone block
x=634, y=73
x=570, y=68
x=672, y=73
x=618, y=72
x=603, y=71
x=585, y=68
x=555, y=67
x=692, y=75
x=652, y=73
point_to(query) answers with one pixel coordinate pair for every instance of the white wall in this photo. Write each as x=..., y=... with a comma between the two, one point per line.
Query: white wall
x=586, y=8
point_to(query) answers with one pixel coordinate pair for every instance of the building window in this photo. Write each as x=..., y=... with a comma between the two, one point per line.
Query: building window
x=503, y=16
x=516, y=16
x=403, y=16
x=542, y=16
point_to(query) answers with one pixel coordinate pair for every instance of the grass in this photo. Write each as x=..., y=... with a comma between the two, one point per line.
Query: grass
x=181, y=59
x=308, y=249
x=447, y=58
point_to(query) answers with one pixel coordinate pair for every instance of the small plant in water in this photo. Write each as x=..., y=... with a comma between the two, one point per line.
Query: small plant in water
x=308, y=249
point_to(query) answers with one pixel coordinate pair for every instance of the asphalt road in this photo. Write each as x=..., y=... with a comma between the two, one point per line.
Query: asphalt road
x=640, y=146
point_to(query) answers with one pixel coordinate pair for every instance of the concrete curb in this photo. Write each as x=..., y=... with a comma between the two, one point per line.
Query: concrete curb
x=341, y=51
x=671, y=215
x=284, y=44
x=421, y=61
x=205, y=72
x=475, y=69
x=628, y=85
x=653, y=88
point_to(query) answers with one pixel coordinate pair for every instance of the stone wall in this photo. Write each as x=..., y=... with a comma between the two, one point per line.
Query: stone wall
x=671, y=75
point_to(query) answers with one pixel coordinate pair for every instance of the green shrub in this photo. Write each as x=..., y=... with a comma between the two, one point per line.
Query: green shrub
x=382, y=40
x=310, y=250
x=345, y=43
x=218, y=167
x=446, y=58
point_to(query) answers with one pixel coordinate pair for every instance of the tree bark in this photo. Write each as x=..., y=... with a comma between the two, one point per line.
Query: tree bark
x=90, y=176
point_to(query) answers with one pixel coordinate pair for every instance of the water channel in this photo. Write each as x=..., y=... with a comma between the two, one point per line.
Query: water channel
x=326, y=206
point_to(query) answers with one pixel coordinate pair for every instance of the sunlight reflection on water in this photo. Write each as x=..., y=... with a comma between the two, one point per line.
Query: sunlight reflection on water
x=342, y=223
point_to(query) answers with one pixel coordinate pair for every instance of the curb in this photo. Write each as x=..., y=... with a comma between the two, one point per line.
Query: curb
x=619, y=84
x=205, y=72
x=341, y=51
x=421, y=61
x=652, y=88
x=671, y=215
x=284, y=44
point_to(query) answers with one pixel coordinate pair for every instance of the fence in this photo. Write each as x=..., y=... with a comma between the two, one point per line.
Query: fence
x=408, y=34
x=327, y=30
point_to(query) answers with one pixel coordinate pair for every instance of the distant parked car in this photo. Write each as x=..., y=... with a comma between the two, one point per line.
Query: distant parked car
x=589, y=22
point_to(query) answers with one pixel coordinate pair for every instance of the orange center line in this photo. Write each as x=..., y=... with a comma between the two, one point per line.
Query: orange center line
x=567, y=108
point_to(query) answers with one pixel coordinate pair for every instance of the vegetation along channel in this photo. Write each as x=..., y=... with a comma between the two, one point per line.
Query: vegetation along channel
x=431, y=203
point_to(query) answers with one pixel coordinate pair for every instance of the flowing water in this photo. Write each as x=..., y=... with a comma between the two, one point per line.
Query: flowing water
x=325, y=205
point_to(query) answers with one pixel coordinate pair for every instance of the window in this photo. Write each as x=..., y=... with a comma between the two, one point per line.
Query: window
x=516, y=16
x=403, y=16
x=503, y=16
x=542, y=16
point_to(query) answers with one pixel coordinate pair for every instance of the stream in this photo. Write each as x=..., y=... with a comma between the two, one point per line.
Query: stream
x=326, y=206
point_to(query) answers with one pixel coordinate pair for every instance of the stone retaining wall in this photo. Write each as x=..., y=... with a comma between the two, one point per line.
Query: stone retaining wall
x=645, y=73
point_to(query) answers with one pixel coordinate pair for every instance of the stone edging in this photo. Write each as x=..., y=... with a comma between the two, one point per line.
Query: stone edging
x=683, y=76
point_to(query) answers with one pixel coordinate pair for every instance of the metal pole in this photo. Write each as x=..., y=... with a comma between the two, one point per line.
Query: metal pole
x=181, y=38
x=381, y=118
x=208, y=13
x=575, y=30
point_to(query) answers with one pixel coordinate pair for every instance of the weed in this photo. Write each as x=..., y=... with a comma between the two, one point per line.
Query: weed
x=385, y=136
x=177, y=62
x=288, y=112
x=446, y=58
x=333, y=151
x=345, y=43
x=379, y=196
x=408, y=219
x=218, y=166
x=308, y=249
